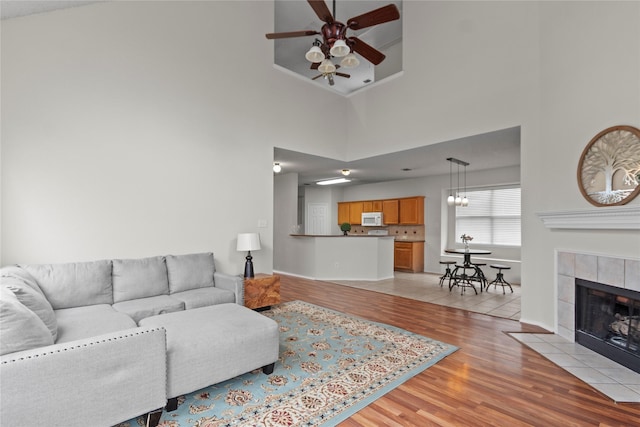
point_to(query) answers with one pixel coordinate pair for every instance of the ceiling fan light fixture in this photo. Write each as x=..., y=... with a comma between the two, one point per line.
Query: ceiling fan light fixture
x=327, y=67
x=339, y=48
x=350, y=61
x=314, y=54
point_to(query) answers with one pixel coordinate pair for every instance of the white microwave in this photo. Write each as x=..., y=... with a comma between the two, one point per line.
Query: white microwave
x=371, y=219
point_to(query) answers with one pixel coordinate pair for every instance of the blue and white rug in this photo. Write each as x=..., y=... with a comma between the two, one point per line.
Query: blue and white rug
x=331, y=365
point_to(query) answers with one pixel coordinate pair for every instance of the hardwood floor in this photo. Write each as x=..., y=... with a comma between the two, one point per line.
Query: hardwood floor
x=492, y=380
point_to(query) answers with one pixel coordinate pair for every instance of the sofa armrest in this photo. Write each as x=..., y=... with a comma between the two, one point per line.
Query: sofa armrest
x=231, y=283
x=106, y=379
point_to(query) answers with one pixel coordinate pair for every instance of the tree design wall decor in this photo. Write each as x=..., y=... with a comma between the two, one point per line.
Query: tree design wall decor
x=609, y=168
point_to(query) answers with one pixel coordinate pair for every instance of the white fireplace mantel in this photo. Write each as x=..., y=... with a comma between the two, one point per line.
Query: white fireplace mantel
x=615, y=217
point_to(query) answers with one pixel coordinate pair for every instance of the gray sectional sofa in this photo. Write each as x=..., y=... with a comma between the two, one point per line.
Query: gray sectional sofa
x=98, y=343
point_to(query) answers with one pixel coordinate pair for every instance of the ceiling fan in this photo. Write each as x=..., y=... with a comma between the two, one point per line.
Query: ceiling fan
x=336, y=43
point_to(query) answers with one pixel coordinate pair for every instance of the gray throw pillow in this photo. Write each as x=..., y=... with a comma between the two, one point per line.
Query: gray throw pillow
x=190, y=271
x=20, y=328
x=34, y=301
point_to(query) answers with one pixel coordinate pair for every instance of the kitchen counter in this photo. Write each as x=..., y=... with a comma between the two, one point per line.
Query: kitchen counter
x=340, y=257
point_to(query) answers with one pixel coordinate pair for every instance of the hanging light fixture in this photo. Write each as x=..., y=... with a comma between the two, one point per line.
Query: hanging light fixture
x=465, y=201
x=450, y=200
x=458, y=200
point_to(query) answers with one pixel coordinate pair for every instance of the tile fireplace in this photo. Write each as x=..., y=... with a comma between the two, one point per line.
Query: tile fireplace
x=611, y=288
x=608, y=321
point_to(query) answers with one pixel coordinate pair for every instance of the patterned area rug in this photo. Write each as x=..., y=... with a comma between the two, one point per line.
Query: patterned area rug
x=331, y=365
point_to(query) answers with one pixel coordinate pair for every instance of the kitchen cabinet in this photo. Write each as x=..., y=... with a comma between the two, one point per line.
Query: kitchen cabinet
x=390, y=211
x=355, y=213
x=411, y=210
x=343, y=213
x=372, y=206
x=408, y=256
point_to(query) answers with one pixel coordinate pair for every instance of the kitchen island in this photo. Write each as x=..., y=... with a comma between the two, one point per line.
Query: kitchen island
x=338, y=257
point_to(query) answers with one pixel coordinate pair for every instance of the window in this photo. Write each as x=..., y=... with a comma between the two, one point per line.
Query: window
x=492, y=217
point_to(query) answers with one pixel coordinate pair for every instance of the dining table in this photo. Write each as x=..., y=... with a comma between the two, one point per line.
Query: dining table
x=464, y=279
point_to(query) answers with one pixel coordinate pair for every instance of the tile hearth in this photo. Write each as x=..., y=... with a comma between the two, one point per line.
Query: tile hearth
x=611, y=379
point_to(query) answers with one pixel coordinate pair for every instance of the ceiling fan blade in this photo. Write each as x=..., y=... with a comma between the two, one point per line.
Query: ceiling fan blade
x=321, y=9
x=317, y=77
x=291, y=34
x=375, y=17
x=314, y=65
x=343, y=75
x=368, y=52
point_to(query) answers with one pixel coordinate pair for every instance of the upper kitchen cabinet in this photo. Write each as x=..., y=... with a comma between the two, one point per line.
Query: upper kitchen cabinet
x=372, y=206
x=390, y=211
x=355, y=212
x=411, y=210
x=343, y=212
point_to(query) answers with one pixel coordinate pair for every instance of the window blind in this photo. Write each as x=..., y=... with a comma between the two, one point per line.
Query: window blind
x=492, y=217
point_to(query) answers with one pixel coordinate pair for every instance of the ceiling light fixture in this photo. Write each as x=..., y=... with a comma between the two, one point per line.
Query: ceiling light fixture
x=457, y=200
x=333, y=181
x=276, y=167
x=346, y=172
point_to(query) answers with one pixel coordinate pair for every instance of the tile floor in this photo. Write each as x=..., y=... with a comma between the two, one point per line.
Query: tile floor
x=426, y=287
x=611, y=379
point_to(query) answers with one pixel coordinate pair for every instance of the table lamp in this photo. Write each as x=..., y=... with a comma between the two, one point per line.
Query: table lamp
x=248, y=242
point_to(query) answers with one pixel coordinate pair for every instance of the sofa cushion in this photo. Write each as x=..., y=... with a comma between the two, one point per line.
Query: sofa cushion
x=74, y=284
x=34, y=300
x=138, y=309
x=202, y=297
x=191, y=271
x=20, y=328
x=139, y=278
x=89, y=321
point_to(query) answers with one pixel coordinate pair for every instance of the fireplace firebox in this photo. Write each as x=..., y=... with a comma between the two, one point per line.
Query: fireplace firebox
x=608, y=321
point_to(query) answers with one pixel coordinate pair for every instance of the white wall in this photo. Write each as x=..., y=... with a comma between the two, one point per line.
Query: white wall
x=126, y=133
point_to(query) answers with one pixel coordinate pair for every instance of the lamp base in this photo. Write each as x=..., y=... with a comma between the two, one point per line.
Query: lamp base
x=248, y=267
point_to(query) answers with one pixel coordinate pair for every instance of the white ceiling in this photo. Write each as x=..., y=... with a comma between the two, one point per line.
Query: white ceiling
x=486, y=151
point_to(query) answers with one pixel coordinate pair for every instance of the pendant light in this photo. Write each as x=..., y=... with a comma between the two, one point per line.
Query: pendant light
x=465, y=201
x=450, y=199
x=459, y=199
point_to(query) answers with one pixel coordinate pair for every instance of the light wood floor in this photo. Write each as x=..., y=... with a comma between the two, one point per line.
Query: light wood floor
x=492, y=380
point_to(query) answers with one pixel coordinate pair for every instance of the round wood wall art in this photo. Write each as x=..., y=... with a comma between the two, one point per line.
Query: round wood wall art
x=609, y=168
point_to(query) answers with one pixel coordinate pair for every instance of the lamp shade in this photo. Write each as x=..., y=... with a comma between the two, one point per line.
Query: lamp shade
x=350, y=61
x=248, y=242
x=327, y=67
x=339, y=48
x=314, y=54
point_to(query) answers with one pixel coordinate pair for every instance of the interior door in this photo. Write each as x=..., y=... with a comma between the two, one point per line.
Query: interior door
x=317, y=219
